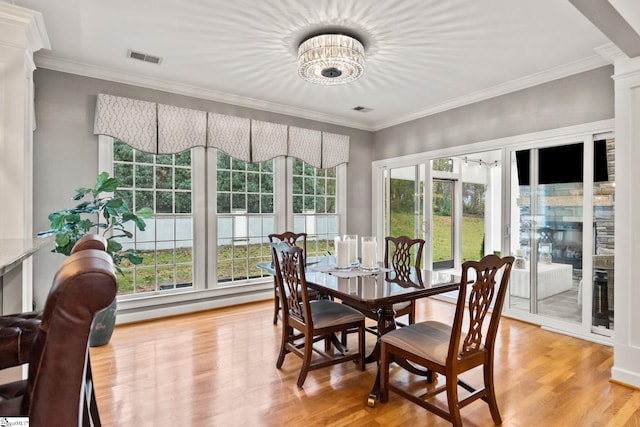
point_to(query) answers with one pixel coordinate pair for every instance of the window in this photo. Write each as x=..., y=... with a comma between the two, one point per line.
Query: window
x=231, y=203
x=246, y=217
x=315, y=206
x=163, y=183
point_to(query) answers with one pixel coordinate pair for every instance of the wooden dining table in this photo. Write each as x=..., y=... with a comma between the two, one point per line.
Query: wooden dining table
x=377, y=291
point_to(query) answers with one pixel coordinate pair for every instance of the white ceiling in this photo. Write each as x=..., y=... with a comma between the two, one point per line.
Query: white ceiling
x=423, y=56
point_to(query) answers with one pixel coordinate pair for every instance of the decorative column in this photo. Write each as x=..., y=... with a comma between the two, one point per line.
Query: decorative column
x=22, y=32
x=627, y=211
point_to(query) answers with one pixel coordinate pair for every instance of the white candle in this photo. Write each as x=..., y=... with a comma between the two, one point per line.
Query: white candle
x=369, y=254
x=342, y=253
x=353, y=248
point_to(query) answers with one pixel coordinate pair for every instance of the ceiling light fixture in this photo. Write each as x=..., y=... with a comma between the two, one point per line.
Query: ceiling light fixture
x=330, y=59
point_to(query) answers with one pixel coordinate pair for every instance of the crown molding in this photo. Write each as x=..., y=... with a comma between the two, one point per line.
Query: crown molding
x=585, y=64
x=610, y=52
x=71, y=67
x=29, y=23
x=56, y=64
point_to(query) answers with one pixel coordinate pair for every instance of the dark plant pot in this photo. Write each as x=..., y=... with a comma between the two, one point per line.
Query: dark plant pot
x=103, y=324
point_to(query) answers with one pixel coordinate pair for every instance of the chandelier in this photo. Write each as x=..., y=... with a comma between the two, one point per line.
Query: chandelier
x=330, y=59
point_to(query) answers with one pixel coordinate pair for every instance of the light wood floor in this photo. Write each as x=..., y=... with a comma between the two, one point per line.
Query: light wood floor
x=217, y=368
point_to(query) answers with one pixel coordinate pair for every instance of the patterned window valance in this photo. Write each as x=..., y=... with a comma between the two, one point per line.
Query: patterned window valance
x=306, y=145
x=231, y=135
x=129, y=120
x=165, y=129
x=180, y=129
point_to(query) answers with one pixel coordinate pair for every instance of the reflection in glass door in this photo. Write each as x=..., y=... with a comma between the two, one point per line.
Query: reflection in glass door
x=547, y=225
x=603, y=236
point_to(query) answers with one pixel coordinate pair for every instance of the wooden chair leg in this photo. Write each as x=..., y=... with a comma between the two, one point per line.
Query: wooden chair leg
x=286, y=334
x=361, y=347
x=276, y=308
x=306, y=361
x=384, y=374
x=452, y=400
x=491, y=394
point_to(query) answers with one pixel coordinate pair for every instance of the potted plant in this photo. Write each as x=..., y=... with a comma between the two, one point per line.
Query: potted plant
x=101, y=213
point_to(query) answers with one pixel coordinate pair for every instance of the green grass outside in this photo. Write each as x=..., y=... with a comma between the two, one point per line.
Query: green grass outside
x=236, y=261
x=472, y=234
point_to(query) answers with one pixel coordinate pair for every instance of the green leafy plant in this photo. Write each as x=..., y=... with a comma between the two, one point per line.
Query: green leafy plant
x=102, y=214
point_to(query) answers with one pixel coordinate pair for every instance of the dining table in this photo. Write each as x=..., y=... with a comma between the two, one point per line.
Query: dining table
x=376, y=290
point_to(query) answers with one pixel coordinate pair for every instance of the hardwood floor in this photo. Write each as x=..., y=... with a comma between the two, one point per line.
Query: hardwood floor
x=217, y=368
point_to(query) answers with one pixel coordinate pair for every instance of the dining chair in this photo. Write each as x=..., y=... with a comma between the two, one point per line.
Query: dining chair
x=306, y=322
x=451, y=349
x=292, y=239
x=402, y=253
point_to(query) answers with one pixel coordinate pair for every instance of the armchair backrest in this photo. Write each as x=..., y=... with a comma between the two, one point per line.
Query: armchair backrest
x=483, y=287
x=84, y=284
x=90, y=241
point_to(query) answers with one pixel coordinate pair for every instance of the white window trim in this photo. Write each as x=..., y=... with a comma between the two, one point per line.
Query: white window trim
x=578, y=133
x=205, y=294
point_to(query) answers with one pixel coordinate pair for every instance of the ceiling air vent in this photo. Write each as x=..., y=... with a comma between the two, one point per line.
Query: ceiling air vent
x=362, y=109
x=143, y=57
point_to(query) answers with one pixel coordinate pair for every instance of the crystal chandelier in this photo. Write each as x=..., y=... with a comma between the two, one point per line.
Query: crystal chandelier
x=330, y=59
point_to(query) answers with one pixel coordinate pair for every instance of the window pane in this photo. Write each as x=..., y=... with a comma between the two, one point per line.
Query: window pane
x=267, y=204
x=266, y=183
x=224, y=160
x=122, y=152
x=143, y=199
x=238, y=183
x=223, y=180
x=183, y=158
x=183, y=202
x=224, y=202
x=238, y=165
x=125, y=195
x=141, y=157
x=238, y=202
x=164, y=177
x=144, y=176
x=164, y=202
x=124, y=172
x=164, y=159
x=253, y=182
x=253, y=203
x=183, y=178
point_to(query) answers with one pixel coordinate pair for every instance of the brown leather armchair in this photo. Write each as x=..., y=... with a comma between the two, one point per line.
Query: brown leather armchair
x=18, y=331
x=58, y=390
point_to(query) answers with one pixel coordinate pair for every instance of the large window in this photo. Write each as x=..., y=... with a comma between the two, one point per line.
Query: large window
x=315, y=206
x=163, y=183
x=206, y=195
x=245, y=207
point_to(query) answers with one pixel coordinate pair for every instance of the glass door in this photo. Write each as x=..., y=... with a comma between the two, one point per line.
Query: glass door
x=603, y=236
x=404, y=201
x=442, y=223
x=547, y=223
x=562, y=233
